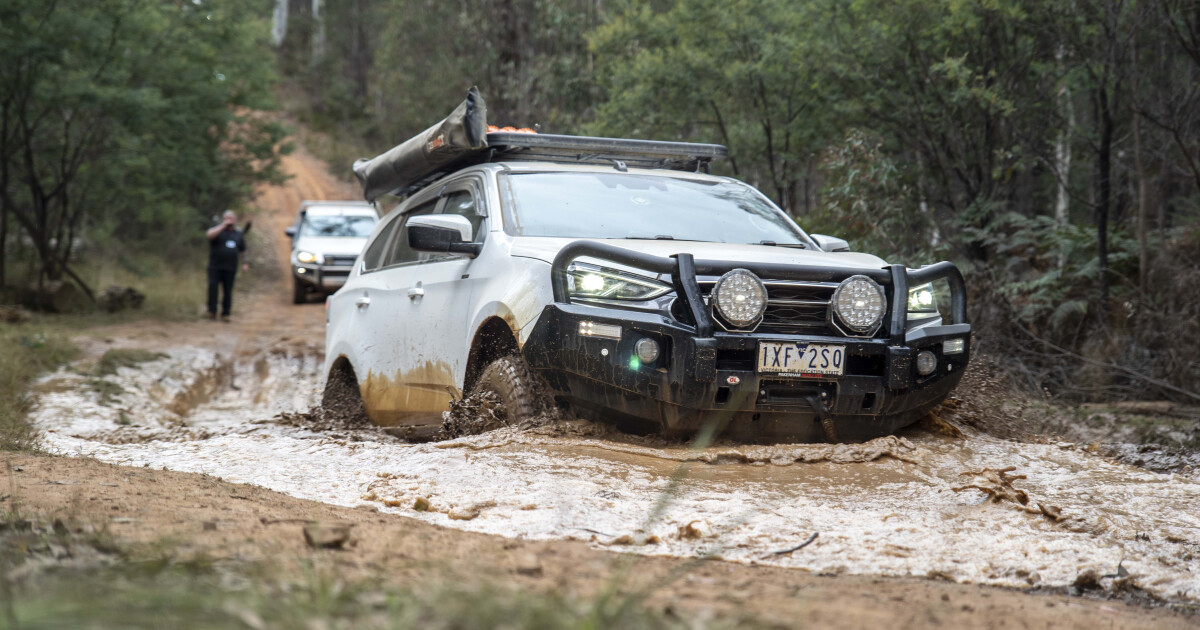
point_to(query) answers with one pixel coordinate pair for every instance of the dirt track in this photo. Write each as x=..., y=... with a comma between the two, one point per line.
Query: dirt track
x=267, y=327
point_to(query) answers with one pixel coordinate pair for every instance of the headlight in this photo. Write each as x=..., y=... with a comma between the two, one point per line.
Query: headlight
x=740, y=297
x=859, y=304
x=589, y=281
x=306, y=257
x=921, y=300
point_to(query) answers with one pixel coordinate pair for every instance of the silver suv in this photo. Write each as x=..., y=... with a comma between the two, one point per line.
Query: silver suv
x=326, y=240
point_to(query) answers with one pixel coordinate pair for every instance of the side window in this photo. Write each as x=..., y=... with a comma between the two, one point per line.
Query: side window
x=401, y=253
x=462, y=202
x=373, y=257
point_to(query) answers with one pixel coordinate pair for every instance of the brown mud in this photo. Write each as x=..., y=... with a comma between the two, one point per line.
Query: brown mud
x=252, y=356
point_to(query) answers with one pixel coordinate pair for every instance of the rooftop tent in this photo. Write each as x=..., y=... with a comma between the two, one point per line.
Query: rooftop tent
x=461, y=133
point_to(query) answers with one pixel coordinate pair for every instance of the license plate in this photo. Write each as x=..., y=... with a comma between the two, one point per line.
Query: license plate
x=801, y=358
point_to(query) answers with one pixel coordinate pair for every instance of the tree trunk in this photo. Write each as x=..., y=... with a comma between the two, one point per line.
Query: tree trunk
x=1062, y=153
x=1104, y=164
x=1139, y=166
x=318, y=31
x=3, y=243
x=279, y=20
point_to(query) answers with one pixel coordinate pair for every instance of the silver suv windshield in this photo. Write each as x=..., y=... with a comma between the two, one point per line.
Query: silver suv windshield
x=356, y=226
x=626, y=205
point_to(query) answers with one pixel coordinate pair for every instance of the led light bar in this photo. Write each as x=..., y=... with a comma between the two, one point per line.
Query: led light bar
x=954, y=346
x=596, y=329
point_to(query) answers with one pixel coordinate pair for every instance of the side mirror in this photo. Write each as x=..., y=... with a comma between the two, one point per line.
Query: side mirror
x=290, y=231
x=830, y=243
x=442, y=234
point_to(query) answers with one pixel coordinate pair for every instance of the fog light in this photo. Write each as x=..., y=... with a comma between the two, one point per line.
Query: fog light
x=954, y=346
x=301, y=270
x=926, y=363
x=594, y=329
x=647, y=350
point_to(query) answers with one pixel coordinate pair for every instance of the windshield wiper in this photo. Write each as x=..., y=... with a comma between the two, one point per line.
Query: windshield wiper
x=658, y=237
x=788, y=245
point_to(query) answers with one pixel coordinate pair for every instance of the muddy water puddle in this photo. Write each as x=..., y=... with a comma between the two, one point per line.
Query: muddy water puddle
x=894, y=506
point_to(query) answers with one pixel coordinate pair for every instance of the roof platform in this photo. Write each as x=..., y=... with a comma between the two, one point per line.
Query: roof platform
x=462, y=139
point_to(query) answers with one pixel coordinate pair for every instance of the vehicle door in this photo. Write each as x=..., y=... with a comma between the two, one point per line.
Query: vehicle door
x=390, y=367
x=438, y=303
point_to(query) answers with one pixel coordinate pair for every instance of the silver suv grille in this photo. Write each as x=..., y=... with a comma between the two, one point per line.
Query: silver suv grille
x=340, y=261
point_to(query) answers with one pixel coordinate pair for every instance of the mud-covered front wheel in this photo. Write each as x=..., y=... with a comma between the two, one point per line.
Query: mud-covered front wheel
x=521, y=392
x=342, y=402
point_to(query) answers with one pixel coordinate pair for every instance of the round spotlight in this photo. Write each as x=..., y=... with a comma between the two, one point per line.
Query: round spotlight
x=859, y=304
x=646, y=349
x=926, y=362
x=740, y=297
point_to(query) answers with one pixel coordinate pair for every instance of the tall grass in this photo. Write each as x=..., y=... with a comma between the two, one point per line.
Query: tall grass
x=201, y=597
x=26, y=350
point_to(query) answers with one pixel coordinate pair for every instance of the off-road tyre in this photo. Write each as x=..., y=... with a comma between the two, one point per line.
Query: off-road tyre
x=522, y=392
x=299, y=291
x=341, y=402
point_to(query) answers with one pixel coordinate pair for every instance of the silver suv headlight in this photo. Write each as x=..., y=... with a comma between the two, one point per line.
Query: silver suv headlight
x=603, y=283
x=740, y=297
x=859, y=304
x=307, y=257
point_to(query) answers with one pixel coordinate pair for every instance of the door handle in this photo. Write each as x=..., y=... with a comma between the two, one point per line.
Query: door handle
x=415, y=293
x=362, y=301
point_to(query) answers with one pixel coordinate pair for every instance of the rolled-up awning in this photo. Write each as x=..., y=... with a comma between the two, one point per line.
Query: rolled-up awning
x=461, y=133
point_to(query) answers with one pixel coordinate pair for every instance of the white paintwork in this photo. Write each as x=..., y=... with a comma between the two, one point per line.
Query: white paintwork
x=425, y=315
x=449, y=221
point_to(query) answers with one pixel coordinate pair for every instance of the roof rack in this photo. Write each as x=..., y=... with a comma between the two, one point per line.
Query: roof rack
x=680, y=156
x=462, y=140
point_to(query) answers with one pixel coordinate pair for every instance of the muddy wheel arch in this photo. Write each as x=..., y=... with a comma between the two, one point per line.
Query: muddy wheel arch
x=493, y=340
x=342, y=399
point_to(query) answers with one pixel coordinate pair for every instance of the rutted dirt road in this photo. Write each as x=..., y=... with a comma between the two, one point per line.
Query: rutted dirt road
x=898, y=507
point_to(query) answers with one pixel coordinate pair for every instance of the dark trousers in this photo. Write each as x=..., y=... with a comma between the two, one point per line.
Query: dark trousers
x=224, y=279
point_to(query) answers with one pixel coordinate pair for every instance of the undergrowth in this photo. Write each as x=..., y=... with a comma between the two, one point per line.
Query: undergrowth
x=26, y=350
x=199, y=597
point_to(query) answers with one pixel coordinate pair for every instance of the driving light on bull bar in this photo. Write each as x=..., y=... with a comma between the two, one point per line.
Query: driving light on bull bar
x=859, y=304
x=740, y=297
x=646, y=349
x=926, y=362
x=954, y=346
x=595, y=329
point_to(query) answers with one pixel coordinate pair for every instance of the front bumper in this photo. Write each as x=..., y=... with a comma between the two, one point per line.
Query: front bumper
x=322, y=277
x=712, y=378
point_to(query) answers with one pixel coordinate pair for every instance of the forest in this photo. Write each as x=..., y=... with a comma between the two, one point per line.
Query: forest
x=1050, y=148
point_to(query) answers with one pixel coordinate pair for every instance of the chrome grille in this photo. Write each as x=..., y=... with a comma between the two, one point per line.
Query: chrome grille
x=340, y=261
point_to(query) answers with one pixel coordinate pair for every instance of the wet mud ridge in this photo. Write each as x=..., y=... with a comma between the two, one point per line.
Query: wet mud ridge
x=966, y=508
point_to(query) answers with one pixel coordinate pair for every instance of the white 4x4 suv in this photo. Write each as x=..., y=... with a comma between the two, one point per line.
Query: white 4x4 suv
x=613, y=277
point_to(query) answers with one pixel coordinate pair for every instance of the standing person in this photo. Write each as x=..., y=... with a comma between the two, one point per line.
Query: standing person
x=226, y=244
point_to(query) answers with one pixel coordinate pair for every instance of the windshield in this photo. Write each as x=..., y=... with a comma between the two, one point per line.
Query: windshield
x=357, y=226
x=623, y=205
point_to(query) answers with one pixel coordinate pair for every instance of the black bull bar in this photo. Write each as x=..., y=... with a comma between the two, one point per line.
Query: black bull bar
x=683, y=269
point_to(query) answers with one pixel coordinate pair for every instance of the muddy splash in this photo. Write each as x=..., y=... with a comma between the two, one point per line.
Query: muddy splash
x=895, y=506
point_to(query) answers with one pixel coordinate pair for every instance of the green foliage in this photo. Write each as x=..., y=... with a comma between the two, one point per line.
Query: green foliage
x=131, y=120
x=740, y=73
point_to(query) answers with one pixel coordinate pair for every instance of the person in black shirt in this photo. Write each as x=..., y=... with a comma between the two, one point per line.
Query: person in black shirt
x=226, y=244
